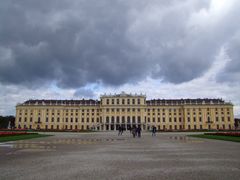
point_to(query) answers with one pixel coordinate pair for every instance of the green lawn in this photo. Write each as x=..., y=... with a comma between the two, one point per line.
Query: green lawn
x=217, y=137
x=21, y=137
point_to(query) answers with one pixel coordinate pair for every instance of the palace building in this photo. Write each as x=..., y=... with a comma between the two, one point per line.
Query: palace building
x=126, y=110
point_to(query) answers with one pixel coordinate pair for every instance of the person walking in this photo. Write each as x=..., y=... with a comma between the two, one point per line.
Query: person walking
x=134, y=131
x=130, y=129
x=139, y=129
x=119, y=130
x=122, y=129
x=154, y=129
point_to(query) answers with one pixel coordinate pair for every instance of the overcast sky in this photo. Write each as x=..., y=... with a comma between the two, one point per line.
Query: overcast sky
x=72, y=49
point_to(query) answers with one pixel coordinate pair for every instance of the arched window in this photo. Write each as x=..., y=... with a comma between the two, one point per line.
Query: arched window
x=107, y=119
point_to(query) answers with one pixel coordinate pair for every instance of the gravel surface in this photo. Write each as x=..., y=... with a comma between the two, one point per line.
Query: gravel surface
x=108, y=156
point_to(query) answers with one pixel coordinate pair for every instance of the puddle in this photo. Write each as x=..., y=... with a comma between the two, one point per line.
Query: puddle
x=46, y=145
x=6, y=145
x=185, y=139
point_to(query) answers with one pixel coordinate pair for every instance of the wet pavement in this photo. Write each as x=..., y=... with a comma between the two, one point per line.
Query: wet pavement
x=108, y=156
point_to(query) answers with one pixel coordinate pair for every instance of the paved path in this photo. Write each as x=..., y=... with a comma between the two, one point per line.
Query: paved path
x=108, y=156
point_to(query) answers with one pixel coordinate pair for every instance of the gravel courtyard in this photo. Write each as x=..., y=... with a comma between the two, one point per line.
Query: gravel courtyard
x=105, y=155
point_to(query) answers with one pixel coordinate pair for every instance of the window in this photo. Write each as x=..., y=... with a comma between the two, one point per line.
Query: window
x=117, y=101
x=107, y=101
x=76, y=120
x=128, y=119
x=133, y=101
x=217, y=119
x=66, y=119
x=112, y=120
x=228, y=119
x=222, y=118
x=107, y=119
x=52, y=119
x=133, y=119
x=153, y=119
x=139, y=119
x=123, y=101
x=209, y=119
x=123, y=119
x=128, y=101
x=138, y=101
x=117, y=119
x=46, y=119
x=112, y=101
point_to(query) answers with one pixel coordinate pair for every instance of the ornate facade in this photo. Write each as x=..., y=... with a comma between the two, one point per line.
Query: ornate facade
x=125, y=110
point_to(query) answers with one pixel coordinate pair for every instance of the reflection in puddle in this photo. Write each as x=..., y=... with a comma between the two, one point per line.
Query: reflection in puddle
x=32, y=146
x=51, y=145
x=6, y=145
x=185, y=139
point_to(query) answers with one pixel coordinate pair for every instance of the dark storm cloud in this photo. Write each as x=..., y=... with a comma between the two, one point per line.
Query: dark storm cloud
x=112, y=42
x=84, y=93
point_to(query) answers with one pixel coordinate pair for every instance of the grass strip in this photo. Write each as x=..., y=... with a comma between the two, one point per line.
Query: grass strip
x=217, y=137
x=22, y=137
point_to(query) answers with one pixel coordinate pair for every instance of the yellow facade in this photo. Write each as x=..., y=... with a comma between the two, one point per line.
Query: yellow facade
x=125, y=110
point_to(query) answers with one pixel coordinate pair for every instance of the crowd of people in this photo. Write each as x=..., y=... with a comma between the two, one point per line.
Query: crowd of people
x=136, y=131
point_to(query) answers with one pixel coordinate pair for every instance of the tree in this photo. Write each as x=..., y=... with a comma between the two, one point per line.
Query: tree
x=6, y=120
x=236, y=123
